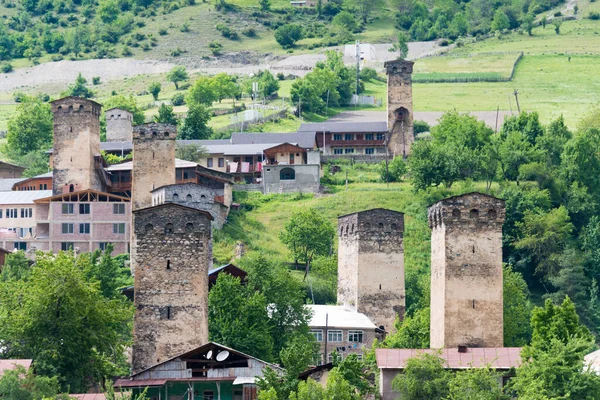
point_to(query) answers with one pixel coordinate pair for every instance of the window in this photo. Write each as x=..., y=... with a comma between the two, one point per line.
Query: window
x=330, y=357
x=178, y=174
x=208, y=395
x=12, y=213
x=26, y=212
x=318, y=334
x=287, y=174
x=348, y=151
x=67, y=228
x=370, y=150
x=103, y=245
x=21, y=245
x=209, y=162
x=238, y=395
x=1, y=212
x=119, y=228
x=84, y=228
x=381, y=136
x=338, y=151
x=221, y=162
x=318, y=359
x=359, y=357
x=64, y=246
x=25, y=231
x=68, y=208
x=84, y=208
x=118, y=208
x=337, y=136
x=369, y=136
x=355, y=336
x=348, y=136
x=335, y=336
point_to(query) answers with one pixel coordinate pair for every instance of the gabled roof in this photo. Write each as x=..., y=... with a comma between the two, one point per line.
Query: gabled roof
x=142, y=210
x=303, y=139
x=23, y=196
x=495, y=357
x=372, y=209
x=202, y=350
x=128, y=165
x=90, y=193
x=13, y=165
x=7, y=184
x=345, y=127
x=214, y=174
x=8, y=365
x=81, y=99
x=338, y=317
x=465, y=195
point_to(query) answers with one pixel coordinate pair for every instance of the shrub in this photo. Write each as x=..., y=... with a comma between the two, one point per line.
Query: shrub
x=18, y=97
x=185, y=28
x=176, y=52
x=146, y=47
x=227, y=32
x=420, y=127
x=126, y=52
x=215, y=47
x=250, y=32
x=281, y=76
x=162, y=32
x=6, y=68
x=594, y=16
x=178, y=99
x=558, y=14
x=368, y=74
x=96, y=80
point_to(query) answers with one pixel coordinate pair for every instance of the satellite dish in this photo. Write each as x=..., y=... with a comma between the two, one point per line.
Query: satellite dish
x=209, y=354
x=222, y=356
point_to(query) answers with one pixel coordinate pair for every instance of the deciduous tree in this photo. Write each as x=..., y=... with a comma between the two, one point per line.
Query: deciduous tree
x=30, y=129
x=176, y=75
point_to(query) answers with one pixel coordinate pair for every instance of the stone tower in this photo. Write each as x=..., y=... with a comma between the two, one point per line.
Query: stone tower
x=400, y=106
x=466, y=271
x=119, y=125
x=171, y=282
x=153, y=161
x=371, y=264
x=76, y=158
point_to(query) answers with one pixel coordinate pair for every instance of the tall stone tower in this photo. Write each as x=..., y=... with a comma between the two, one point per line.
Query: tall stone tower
x=76, y=157
x=171, y=282
x=371, y=264
x=153, y=161
x=119, y=125
x=400, y=106
x=466, y=271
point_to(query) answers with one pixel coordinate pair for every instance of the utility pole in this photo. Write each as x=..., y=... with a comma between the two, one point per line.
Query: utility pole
x=357, y=69
x=325, y=358
x=387, y=163
x=516, y=93
x=497, y=115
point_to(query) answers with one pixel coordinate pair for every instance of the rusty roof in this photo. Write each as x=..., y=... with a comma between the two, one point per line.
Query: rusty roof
x=7, y=365
x=495, y=357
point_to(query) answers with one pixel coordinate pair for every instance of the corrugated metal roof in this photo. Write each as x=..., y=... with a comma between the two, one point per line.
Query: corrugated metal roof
x=302, y=139
x=239, y=149
x=128, y=165
x=344, y=127
x=23, y=196
x=495, y=357
x=7, y=184
x=338, y=317
x=6, y=365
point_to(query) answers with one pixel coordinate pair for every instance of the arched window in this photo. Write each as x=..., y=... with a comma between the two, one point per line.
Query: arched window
x=380, y=225
x=287, y=174
x=175, y=197
x=188, y=197
x=169, y=228
x=71, y=188
x=394, y=227
x=148, y=228
x=474, y=214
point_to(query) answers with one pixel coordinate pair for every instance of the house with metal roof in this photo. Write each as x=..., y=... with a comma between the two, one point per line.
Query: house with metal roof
x=342, y=330
x=211, y=371
x=362, y=139
x=18, y=216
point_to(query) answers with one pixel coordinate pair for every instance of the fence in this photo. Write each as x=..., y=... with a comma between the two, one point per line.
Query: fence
x=244, y=125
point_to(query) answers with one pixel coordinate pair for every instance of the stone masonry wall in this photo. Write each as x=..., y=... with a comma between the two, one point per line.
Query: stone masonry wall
x=466, y=280
x=119, y=125
x=171, y=282
x=76, y=142
x=400, y=106
x=371, y=265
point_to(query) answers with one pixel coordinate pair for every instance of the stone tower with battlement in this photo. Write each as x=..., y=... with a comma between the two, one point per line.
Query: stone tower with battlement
x=153, y=161
x=119, y=125
x=77, y=163
x=400, y=107
x=174, y=251
x=466, y=271
x=371, y=265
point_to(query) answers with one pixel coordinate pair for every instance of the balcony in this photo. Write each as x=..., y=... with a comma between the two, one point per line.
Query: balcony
x=357, y=143
x=251, y=169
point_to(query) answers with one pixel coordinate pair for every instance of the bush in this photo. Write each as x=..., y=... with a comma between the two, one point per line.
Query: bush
x=250, y=32
x=185, y=28
x=178, y=99
x=126, y=52
x=215, y=47
x=6, y=68
x=227, y=32
x=18, y=97
x=176, y=52
x=281, y=76
x=162, y=32
x=420, y=127
x=96, y=80
x=594, y=16
x=288, y=35
x=368, y=74
x=558, y=14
